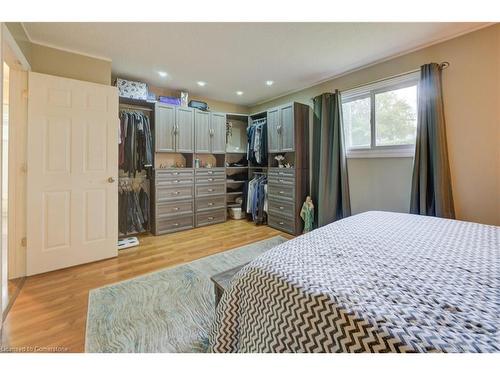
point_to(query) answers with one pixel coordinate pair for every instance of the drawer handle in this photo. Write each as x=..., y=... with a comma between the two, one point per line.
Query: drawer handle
x=177, y=192
x=211, y=204
x=175, y=224
x=210, y=179
x=282, y=223
x=281, y=180
x=175, y=173
x=210, y=172
x=282, y=192
x=210, y=218
x=177, y=181
x=282, y=208
x=176, y=208
x=210, y=190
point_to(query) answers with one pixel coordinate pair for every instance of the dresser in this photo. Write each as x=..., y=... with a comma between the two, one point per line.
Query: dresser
x=174, y=192
x=210, y=196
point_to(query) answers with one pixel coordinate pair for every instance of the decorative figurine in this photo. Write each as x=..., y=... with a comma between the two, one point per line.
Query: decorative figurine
x=282, y=163
x=307, y=214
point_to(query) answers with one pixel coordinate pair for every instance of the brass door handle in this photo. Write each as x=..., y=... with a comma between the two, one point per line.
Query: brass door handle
x=111, y=180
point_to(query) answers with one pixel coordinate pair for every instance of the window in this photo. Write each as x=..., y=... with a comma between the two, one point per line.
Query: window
x=380, y=119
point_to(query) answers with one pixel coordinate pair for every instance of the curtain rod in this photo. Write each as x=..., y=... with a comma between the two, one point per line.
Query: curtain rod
x=442, y=66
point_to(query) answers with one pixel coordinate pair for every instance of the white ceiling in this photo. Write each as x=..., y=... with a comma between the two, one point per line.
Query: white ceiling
x=241, y=56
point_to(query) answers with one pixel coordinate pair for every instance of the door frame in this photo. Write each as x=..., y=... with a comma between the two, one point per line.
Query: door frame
x=7, y=41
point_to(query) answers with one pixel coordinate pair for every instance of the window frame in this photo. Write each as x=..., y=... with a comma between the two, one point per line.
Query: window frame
x=370, y=91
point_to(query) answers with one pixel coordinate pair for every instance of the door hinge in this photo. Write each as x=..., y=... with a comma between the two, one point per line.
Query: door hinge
x=24, y=242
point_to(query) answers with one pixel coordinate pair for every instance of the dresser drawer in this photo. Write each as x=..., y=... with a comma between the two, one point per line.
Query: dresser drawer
x=207, y=190
x=282, y=172
x=175, y=181
x=211, y=172
x=282, y=223
x=174, y=208
x=284, y=208
x=162, y=174
x=211, y=179
x=173, y=193
x=210, y=203
x=210, y=217
x=281, y=192
x=174, y=224
x=282, y=181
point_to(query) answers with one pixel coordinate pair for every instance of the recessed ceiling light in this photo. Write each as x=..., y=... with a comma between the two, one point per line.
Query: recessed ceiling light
x=239, y=93
x=201, y=83
x=162, y=74
x=269, y=83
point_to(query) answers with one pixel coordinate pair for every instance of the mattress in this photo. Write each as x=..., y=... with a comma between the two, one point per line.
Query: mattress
x=373, y=282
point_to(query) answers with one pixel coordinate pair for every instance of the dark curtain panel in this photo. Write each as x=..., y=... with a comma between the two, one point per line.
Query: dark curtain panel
x=431, y=184
x=330, y=188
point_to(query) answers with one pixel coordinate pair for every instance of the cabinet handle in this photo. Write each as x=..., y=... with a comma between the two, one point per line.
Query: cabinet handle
x=210, y=179
x=210, y=190
x=282, y=192
x=282, y=223
x=175, y=173
x=175, y=224
x=176, y=208
x=281, y=180
x=282, y=208
x=210, y=218
x=210, y=172
x=177, y=181
x=177, y=192
x=210, y=203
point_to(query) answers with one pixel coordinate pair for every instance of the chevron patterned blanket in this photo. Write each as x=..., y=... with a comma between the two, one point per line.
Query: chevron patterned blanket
x=374, y=282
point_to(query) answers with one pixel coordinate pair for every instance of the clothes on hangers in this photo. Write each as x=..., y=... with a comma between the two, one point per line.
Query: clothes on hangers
x=133, y=209
x=257, y=142
x=256, y=199
x=136, y=142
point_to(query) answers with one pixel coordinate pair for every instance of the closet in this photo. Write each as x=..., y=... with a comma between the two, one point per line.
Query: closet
x=207, y=162
x=135, y=163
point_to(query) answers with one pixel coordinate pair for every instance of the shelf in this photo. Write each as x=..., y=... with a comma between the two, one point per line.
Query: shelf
x=235, y=182
x=234, y=205
x=234, y=193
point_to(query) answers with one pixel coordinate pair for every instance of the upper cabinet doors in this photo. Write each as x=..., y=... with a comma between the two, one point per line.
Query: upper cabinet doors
x=202, y=131
x=185, y=129
x=287, y=128
x=174, y=129
x=273, y=139
x=165, y=128
x=210, y=132
x=281, y=129
x=218, y=132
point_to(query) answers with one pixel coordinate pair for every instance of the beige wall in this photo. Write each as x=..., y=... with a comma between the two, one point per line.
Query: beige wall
x=214, y=105
x=471, y=88
x=61, y=63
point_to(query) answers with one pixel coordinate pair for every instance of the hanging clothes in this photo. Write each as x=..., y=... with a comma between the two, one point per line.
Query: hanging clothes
x=257, y=142
x=133, y=208
x=136, y=142
x=256, y=202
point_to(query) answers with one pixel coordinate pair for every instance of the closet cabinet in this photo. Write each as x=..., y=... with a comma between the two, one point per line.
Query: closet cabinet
x=174, y=130
x=202, y=132
x=281, y=129
x=210, y=132
x=288, y=128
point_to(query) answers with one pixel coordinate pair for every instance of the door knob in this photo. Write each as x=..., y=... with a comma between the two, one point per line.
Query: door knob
x=111, y=180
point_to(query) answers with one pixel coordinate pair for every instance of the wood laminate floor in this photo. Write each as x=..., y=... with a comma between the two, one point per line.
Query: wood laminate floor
x=50, y=312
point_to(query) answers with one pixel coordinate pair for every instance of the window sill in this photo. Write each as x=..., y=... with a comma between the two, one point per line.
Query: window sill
x=388, y=153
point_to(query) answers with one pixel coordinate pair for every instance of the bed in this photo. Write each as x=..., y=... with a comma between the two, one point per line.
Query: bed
x=373, y=282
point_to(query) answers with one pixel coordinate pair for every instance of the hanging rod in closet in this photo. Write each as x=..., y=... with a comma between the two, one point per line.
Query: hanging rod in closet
x=135, y=108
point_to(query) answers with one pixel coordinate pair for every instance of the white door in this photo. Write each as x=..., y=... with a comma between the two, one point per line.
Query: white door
x=72, y=173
